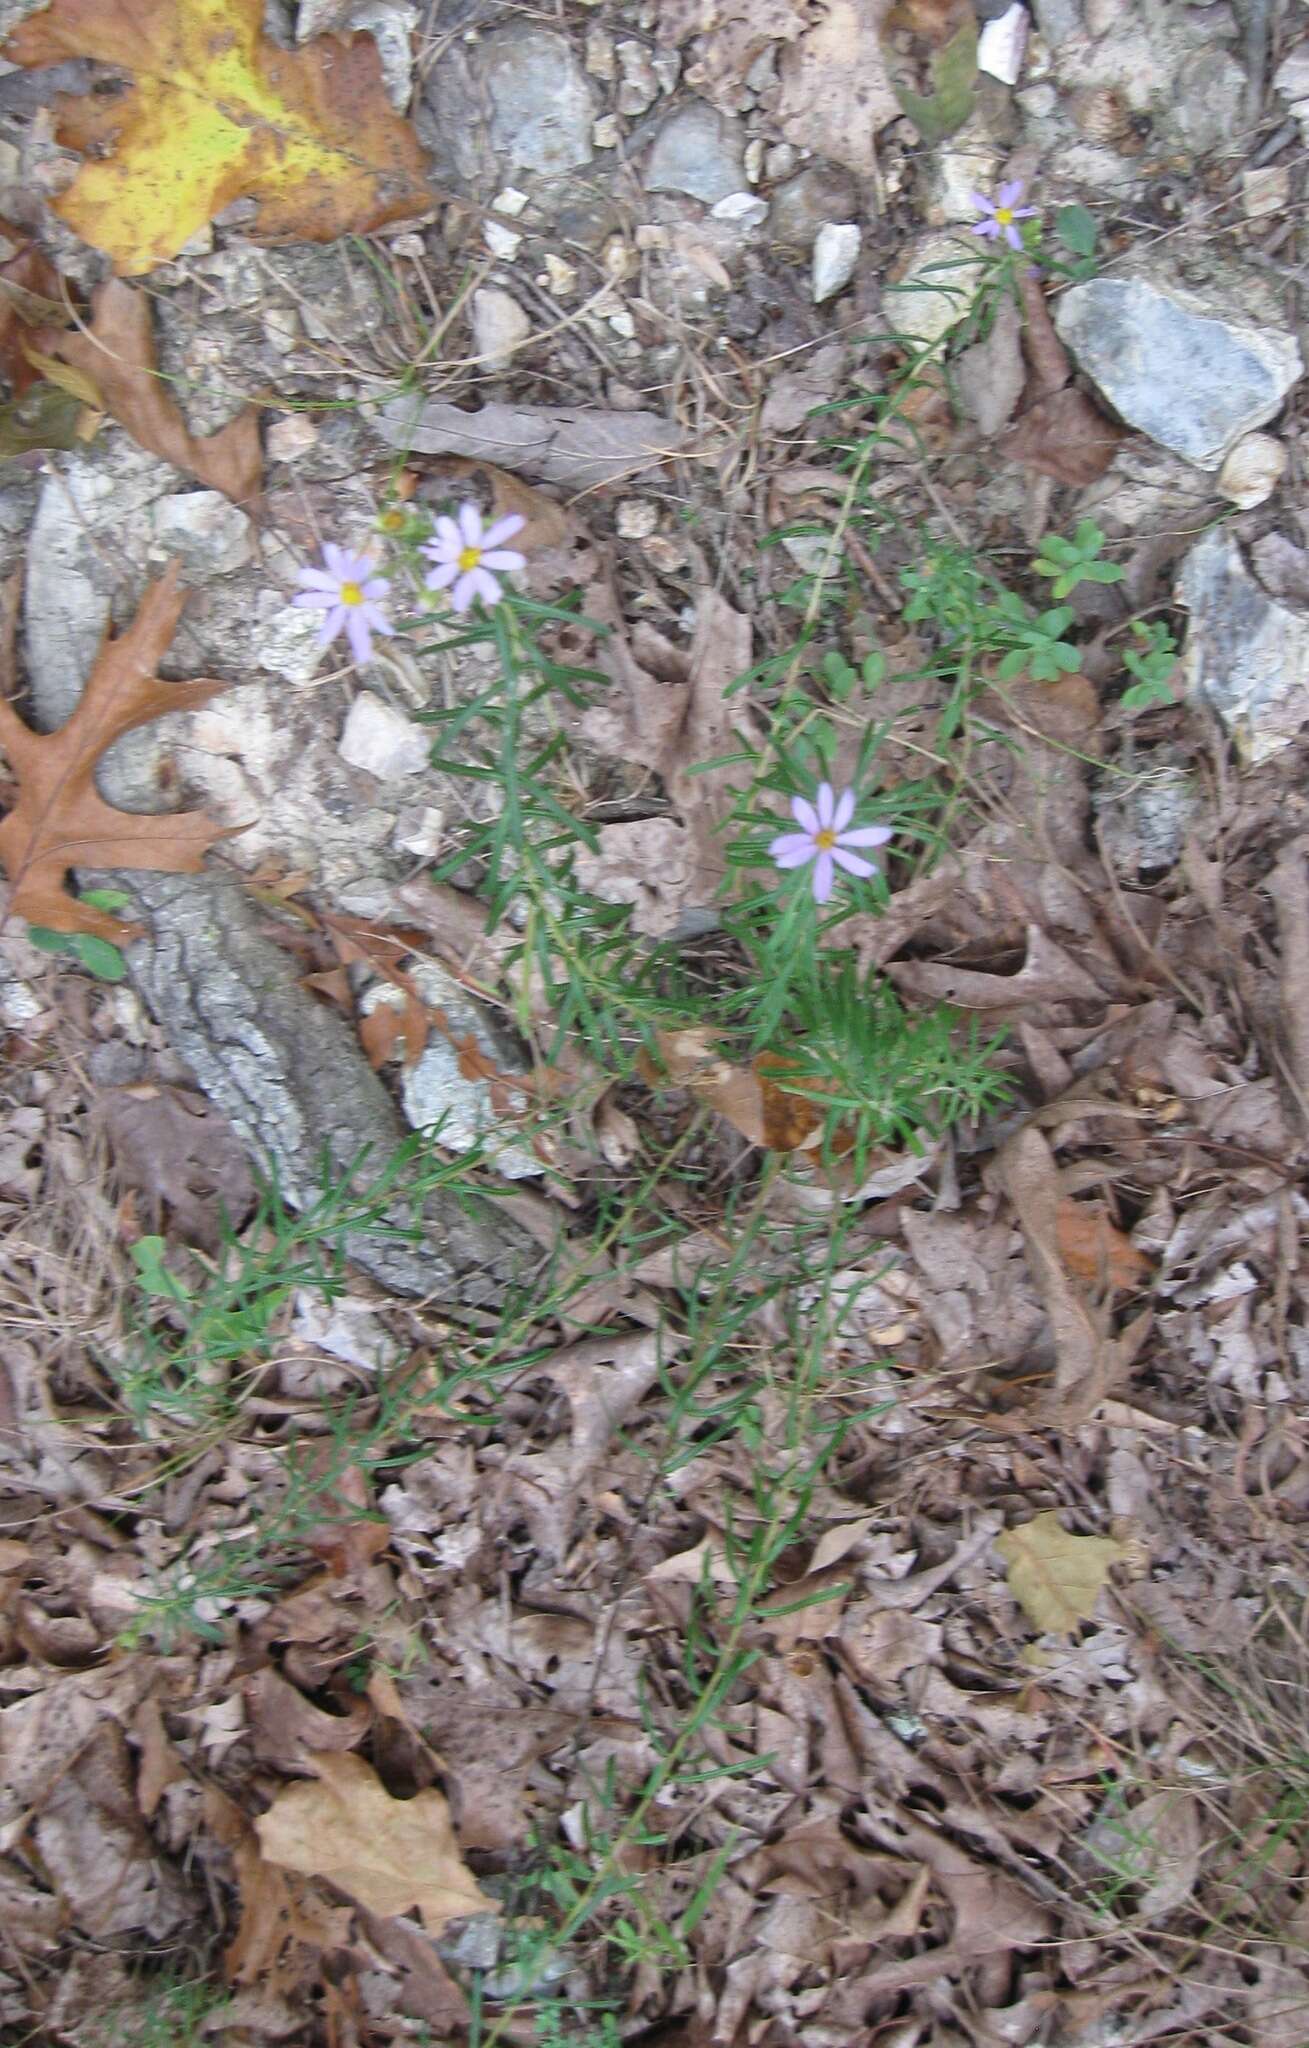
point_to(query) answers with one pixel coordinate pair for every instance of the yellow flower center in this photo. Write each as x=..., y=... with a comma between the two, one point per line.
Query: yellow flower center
x=825, y=840
x=468, y=559
x=1005, y=216
x=391, y=522
x=350, y=593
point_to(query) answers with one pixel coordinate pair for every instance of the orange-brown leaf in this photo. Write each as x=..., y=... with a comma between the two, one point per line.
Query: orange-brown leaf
x=60, y=820
x=1094, y=1249
x=29, y=291
x=118, y=354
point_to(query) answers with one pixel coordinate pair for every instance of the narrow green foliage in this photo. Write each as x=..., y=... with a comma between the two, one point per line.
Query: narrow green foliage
x=1152, y=661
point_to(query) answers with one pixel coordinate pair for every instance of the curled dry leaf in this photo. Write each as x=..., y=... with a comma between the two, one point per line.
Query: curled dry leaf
x=1060, y=433
x=117, y=354
x=216, y=111
x=389, y=1855
x=60, y=820
x=1056, y=1578
x=171, y=1146
x=560, y=444
x=1087, y=1361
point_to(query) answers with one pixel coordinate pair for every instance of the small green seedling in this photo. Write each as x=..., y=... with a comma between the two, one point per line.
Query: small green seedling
x=1075, y=561
x=1152, y=662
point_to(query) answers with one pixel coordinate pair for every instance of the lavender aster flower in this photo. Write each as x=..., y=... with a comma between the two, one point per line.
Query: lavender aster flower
x=1001, y=213
x=824, y=839
x=464, y=556
x=347, y=590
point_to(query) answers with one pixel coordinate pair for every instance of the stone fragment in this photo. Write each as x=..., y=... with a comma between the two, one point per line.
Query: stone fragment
x=541, y=106
x=1190, y=378
x=420, y=830
x=1246, y=655
x=639, y=86
x=1002, y=43
x=821, y=192
x=743, y=209
x=969, y=162
x=636, y=518
x=935, y=291
x=1265, y=191
x=836, y=252
x=606, y=133
x=559, y=277
x=699, y=152
x=1291, y=80
x=381, y=740
x=206, y=532
x=500, y=326
x=1252, y=471
x=438, y=1089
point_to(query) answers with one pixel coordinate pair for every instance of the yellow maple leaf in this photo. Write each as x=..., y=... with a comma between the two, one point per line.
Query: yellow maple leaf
x=216, y=112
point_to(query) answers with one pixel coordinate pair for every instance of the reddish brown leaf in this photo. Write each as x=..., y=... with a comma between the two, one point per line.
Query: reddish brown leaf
x=1094, y=1249
x=60, y=820
x=1066, y=437
x=29, y=292
x=117, y=353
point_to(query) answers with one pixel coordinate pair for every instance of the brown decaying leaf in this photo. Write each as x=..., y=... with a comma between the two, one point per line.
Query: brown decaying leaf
x=1087, y=1361
x=172, y=1147
x=390, y=1855
x=117, y=353
x=579, y=448
x=60, y=820
x=748, y=1097
x=835, y=94
x=29, y=295
x=1060, y=433
x=1093, y=1248
x=547, y=525
x=1288, y=885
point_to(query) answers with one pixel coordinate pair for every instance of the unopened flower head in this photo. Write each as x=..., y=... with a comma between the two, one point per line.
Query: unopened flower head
x=463, y=555
x=825, y=839
x=346, y=589
x=1002, y=213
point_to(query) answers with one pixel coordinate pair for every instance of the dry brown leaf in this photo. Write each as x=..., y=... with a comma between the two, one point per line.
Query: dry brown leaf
x=95, y=1850
x=390, y=1855
x=578, y=447
x=835, y=94
x=29, y=298
x=173, y=1148
x=1066, y=437
x=60, y=820
x=1094, y=1249
x=1048, y=975
x=1087, y=1362
x=546, y=525
x=748, y=1097
x=117, y=353
x=286, y=1728
x=1049, y=364
x=1056, y=1578
x=1288, y=885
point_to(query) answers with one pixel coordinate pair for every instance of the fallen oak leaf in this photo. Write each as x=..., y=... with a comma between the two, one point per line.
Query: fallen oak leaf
x=1056, y=1578
x=116, y=353
x=60, y=820
x=389, y=1855
x=216, y=112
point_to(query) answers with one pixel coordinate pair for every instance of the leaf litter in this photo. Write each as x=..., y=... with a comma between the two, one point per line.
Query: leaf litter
x=973, y=1778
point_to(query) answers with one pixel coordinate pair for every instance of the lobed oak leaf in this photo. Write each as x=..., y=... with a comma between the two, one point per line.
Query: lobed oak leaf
x=389, y=1855
x=60, y=820
x=1055, y=1577
x=215, y=111
x=116, y=353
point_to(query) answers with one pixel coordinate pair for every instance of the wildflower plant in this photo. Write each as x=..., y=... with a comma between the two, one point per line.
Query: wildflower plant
x=351, y=596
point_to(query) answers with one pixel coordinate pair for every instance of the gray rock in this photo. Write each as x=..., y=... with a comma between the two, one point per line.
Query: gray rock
x=381, y=740
x=699, y=152
x=836, y=252
x=499, y=325
x=936, y=290
x=437, y=1091
x=819, y=193
x=540, y=99
x=1191, y=378
x=286, y=1071
x=204, y=530
x=1208, y=100
x=1246, y=655
x=1144, y=815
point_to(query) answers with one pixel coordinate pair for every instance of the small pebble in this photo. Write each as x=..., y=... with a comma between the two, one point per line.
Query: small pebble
x=292, y=436
x=606, y=132
x=500, y=326
x=836, y=252
x=410, y=246
x=744, y=209
x=754, y=161
x=501, y=241
x=559, y=278
x=636, y=519
x=780, y=160
x=1265, y=191
x=1252, y=470
x=1001, y=45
